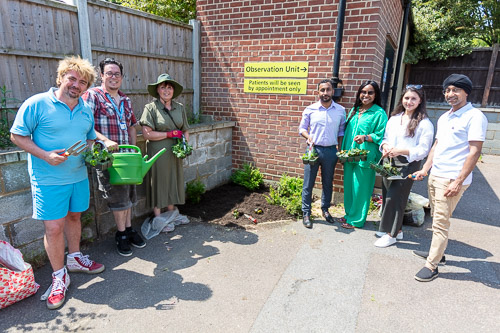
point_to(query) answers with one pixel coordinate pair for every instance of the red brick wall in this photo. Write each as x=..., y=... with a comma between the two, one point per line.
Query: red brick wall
x=236, y=32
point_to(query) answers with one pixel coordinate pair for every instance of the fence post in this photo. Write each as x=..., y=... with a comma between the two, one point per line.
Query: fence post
x=84, y=29
x=196, y=42
x=491, y=73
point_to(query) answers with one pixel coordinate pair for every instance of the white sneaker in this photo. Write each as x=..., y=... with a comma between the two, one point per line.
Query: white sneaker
x=385, y=241
x=399, y=236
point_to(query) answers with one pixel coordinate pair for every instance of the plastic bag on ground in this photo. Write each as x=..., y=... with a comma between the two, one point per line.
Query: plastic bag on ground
x=416, y=201
x=152, y=226
x=11, y=257
x=16, y=277
x=414, y=217
x=181, y=219
x=169, y=227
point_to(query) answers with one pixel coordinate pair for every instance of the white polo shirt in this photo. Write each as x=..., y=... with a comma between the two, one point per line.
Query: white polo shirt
x=454, y=131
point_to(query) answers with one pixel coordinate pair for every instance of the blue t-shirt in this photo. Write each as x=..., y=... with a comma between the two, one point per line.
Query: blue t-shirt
x=52, y=125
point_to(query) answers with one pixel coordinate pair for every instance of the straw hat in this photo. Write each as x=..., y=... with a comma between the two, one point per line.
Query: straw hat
x=164, y=78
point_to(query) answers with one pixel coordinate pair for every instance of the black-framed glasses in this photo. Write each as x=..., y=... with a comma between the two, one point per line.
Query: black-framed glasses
x=370, y=93
x=452, y=90
x=414, y=86
x=111, y=74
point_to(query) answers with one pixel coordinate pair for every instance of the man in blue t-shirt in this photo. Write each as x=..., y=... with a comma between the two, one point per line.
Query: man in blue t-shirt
x=45, y=125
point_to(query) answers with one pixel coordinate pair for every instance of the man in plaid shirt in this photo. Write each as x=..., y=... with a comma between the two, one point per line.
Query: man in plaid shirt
x=115, y=119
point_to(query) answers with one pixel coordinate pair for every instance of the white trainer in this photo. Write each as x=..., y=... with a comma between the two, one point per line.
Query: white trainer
x=399, y=236
x=385, y=241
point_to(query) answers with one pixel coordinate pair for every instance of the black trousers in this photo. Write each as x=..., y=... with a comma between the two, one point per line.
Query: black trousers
x=395, y=197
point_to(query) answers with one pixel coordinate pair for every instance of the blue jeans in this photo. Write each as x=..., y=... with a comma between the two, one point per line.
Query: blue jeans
x=327, y=159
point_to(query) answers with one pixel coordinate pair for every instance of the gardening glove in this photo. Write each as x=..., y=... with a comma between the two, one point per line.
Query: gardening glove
x=174, y=134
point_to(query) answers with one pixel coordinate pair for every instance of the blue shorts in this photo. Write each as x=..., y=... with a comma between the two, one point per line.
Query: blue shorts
x=53, y=202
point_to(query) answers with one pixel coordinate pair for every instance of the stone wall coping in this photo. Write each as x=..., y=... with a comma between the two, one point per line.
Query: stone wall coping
x=446, y=107
x=16, y=155
x=207, y=126
x=21, y=155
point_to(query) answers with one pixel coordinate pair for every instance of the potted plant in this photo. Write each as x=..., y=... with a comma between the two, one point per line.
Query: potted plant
x=98, y=157
x=352, y=155
x=342, y=155
x=182, y=149
x=310, y=157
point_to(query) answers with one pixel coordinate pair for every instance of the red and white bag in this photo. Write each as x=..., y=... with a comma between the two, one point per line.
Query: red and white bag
x=15, y=285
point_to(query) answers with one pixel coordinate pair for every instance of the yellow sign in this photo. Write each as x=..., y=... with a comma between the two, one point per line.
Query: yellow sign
x=276, y=86
x=276, y=69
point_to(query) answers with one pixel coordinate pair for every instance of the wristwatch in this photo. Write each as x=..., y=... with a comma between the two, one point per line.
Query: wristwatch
x=366, y=137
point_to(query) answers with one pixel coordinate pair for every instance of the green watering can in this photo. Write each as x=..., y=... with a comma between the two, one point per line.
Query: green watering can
x=130, y=168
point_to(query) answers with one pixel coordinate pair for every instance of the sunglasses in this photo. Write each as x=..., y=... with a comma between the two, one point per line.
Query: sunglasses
x=414, y=86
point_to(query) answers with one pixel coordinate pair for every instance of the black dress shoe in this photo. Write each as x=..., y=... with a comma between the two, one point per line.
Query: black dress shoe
x=307, y=222
x=328, y=217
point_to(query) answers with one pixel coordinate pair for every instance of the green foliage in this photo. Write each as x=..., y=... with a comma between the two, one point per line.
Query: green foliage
x=310, y=155
x=179, y=10
x=194, y=191
x=352, y=152
x=288, y=194
x=97, y=155
x=249, y=177
x=87, y=219
x=194, y=119
x=4, y=117
x=182, y=149
x=447, y=28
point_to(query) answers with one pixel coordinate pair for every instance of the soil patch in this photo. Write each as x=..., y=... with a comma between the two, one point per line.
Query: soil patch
x=219, y=204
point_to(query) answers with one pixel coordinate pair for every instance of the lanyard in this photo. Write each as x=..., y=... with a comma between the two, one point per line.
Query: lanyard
x=119, y=110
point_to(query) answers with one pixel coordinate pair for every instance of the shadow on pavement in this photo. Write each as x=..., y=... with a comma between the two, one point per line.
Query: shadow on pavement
x=479, y=203
x=146, y=279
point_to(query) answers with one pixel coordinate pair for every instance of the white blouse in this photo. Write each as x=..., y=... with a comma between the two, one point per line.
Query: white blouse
x=419, y=145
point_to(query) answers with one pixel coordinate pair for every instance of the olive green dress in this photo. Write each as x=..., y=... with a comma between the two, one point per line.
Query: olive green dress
x=165, y=181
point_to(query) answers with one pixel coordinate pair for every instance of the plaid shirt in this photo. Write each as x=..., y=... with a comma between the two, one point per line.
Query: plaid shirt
x=107, y=120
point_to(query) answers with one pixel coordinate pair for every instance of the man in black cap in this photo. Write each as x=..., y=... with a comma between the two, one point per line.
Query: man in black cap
x=459, y=139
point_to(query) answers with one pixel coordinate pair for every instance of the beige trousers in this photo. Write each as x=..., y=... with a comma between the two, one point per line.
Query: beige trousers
x=441, y=209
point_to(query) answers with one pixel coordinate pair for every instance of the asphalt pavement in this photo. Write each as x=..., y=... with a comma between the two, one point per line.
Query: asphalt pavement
x=281, y=277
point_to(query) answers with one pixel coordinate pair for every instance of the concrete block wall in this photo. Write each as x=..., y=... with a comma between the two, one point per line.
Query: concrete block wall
x=210, y=162
x=492, y=144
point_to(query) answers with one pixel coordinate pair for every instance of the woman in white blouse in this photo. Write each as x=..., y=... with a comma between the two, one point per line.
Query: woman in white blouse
x=407, y=141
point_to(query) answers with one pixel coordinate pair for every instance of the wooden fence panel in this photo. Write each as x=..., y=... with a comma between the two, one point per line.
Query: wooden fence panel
x=36, y=34
x=475, y=65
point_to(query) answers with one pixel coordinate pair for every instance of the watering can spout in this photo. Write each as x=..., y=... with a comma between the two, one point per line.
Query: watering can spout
x=146, y=165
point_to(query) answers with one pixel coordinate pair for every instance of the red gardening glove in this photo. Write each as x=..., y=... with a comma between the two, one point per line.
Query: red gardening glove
x=174, y=134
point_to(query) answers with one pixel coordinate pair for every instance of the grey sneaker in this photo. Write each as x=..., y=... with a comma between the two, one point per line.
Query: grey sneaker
x=426, y=275
x=424, y=255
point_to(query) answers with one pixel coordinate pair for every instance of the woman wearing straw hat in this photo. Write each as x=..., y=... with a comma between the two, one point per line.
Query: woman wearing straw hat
x=163, y=122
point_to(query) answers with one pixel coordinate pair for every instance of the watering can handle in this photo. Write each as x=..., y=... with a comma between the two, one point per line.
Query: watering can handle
x=130, y=147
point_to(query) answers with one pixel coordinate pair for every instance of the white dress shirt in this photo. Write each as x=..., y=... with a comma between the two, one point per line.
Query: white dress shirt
x=419, y=145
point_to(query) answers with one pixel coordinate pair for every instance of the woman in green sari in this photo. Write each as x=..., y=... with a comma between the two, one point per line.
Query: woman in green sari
x=365, y=128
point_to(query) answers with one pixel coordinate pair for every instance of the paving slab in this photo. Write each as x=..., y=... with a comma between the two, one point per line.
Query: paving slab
x=284, y=278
